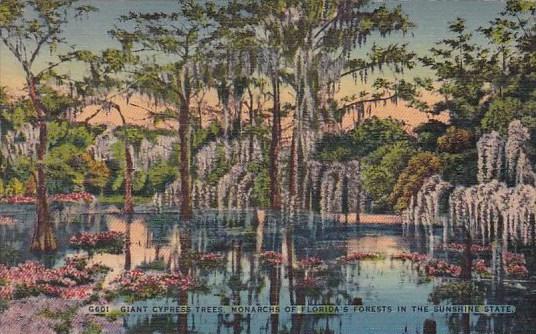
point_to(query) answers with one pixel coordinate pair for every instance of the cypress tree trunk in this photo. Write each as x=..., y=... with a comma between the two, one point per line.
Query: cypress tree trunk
x=43, y=238
x=468, y=257
x=275, y=284
x=128, y=253
x=251, y=122
x=275, y=147
x=296, y=169
x=184, y=268
x=184, y=168
x=129, y=169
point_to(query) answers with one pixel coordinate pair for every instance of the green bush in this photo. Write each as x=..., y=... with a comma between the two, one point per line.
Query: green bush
x=420, y=166
x=380, y=171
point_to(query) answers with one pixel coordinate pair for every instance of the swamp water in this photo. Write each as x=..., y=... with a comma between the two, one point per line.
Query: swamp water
x=157, y=240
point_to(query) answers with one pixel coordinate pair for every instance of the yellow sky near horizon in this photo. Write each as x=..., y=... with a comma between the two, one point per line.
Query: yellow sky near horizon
x=136, y=110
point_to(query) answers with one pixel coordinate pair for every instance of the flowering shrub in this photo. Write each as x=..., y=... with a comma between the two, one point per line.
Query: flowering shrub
x=271, y=258
x=110, y=241
x=73, y=198
x=79, y=197
x=515, y=265
x=74, y=280
x=140, y=285
x=19, y=199
x=517, y=271
x=475, y=248
x=513, y=258
x=440, y=268
x=481, y=269
x=359, y=256
x=412, y=257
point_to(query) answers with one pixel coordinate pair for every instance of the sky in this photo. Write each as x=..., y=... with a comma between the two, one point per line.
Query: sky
x=430, y=16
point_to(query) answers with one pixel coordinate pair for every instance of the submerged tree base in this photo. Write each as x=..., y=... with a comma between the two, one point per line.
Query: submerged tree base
x=44, y=240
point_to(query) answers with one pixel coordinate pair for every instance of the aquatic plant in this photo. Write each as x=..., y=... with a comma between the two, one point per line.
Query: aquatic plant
x=440, y=268
x=271, y=258
x=78, y=197
x=140, y=285
x=475, y=248
x=360, y=256
x=515, y=265
x=481, y=268
x=109, y=241
x=74, y=280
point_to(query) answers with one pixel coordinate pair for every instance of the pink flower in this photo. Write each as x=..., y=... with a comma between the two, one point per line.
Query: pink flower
x=66, y=280
x=67, y=198
x=97, y=240
x=271, y=258
x=149, y=285
x=475, y=248
x=439, y=268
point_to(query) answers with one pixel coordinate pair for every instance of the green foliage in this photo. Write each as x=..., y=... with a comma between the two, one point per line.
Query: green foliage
x=485, y=87
x=335, y=148
x=261, y=188
x=499, y=115
x=161, y=174
x=222, y=166
x=455, y=140
x=135, y=134
x=63, y=318
x=428, y=133
x=97, y=174
x=203, y=135
x=92, y=328
x=462, y=68
x=361, y=141
x=381, y=169
x=383, y=146
x=22, y=168
x=375, y=132
x=69, y=166
x=61, y=132
x=14, y=187
x=65, y=168
x=420, y=166
x=460, y=168
x=15, y=113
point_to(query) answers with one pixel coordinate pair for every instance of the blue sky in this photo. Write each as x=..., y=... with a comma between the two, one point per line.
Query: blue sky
x=431, y=18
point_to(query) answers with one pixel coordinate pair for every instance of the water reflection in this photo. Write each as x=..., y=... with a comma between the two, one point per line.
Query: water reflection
x=161, y=242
